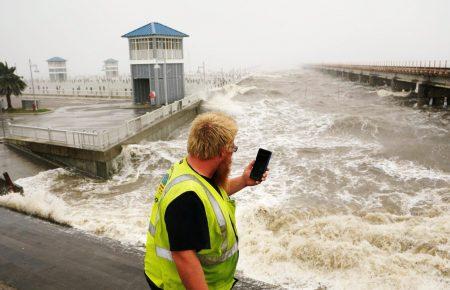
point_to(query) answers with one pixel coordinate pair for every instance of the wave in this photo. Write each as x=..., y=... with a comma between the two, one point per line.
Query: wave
x=387, y=93
x=359, y=126
x=342, y=208
x=39, y=201
x=360, y=251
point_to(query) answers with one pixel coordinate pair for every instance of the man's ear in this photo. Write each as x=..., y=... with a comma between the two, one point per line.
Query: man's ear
x=223, y=152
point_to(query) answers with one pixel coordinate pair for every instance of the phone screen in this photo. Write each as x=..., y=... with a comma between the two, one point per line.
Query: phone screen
x=261, y=163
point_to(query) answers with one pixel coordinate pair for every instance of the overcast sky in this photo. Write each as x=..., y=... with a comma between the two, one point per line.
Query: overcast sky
x=225, y=34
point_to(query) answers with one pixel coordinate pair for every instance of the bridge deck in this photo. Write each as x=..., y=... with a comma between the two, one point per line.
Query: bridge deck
x=412, y=70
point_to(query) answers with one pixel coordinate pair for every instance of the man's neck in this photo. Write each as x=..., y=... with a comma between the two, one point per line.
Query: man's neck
x=203, y=167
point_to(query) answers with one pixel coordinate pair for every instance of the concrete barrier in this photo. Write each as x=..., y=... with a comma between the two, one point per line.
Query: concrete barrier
x=101, y=163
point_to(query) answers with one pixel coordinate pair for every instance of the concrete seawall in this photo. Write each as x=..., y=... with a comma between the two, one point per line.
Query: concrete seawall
x=98, y=163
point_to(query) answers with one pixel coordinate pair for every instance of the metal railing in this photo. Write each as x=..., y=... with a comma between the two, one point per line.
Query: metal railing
x=82, y=93
x=148, y=54
x=98, y=140
x=430, y=67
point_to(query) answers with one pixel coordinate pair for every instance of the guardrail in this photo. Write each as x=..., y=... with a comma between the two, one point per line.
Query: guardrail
x=439, y=68
x=81, y=93
x=98, y=140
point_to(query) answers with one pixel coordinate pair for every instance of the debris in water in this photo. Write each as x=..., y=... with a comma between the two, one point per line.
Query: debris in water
x=6, y=185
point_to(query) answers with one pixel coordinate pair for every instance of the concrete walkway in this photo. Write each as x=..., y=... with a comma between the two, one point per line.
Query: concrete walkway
x=36, y=254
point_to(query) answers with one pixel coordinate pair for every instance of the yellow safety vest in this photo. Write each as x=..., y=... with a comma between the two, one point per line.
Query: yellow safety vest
x=219, y=262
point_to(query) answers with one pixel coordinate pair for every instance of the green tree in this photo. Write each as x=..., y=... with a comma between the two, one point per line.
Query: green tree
x=10, y=83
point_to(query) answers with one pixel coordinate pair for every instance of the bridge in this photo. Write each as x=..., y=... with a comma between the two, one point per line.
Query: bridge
x=428, y=80
x=94, y=153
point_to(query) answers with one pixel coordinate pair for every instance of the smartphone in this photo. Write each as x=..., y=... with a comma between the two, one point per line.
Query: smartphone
x=261, y=163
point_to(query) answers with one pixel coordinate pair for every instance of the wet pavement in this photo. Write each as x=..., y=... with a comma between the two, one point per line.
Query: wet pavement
x=89, y=116
x=78, y=113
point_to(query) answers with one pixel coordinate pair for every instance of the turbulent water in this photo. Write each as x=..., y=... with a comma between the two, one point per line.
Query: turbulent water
x=358, y=195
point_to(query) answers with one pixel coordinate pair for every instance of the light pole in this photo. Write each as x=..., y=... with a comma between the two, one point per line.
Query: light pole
x=165, y=75
x=32, y=81
x=3, y=117
x=204, y=73
x=157, y=66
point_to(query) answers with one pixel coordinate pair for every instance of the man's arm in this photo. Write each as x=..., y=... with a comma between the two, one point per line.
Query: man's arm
x=190, y=270
x=236, y=184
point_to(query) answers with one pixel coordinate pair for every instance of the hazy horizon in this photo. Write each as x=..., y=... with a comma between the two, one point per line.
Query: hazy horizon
x=231, y=34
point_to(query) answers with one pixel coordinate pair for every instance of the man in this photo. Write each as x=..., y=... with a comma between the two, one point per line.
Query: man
x=192, y=240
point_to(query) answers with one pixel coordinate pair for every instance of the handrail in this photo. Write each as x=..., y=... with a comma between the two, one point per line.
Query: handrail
x=404, y=63
x=45, y=129
x=434, y=68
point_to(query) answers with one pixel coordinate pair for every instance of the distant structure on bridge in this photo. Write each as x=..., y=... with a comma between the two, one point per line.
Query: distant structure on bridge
x=57, y=69
x=111, y=68
x=156, y=60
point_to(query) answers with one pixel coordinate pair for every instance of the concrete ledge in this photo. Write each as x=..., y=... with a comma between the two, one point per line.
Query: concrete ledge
x=163, y=128
x=35, y=254
x=90, y=162
x=101, y=163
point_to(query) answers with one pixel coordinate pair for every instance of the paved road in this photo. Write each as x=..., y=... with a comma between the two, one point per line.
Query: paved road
x=35, y=254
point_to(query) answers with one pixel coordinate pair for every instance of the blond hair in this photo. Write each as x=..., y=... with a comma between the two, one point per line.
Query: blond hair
x=210, y=133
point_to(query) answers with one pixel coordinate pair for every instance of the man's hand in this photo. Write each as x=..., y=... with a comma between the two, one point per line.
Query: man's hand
x=246, y=175
x=238, y=183
x=190, y=270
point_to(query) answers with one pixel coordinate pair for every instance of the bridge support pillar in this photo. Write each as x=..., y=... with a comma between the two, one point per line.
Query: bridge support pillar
x=445, y=103
x=422, y=90
x=395, y=85
x=353, y=77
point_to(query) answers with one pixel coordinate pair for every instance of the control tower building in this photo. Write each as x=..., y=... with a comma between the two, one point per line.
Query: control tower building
x=57, y=69
x=157, y=63
x=111, y=68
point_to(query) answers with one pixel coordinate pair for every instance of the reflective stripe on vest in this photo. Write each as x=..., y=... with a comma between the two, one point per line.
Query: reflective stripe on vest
x=210, y=260
x=205, y=260
x=163, y=253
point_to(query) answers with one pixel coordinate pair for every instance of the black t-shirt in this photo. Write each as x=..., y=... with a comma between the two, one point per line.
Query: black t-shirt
x=186, y=223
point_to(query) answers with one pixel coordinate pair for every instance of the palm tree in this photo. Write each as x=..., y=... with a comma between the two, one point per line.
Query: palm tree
x=10, y=83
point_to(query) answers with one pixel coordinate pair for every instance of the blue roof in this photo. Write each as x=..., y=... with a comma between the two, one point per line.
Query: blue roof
x=154, y=29
x=56, y=59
